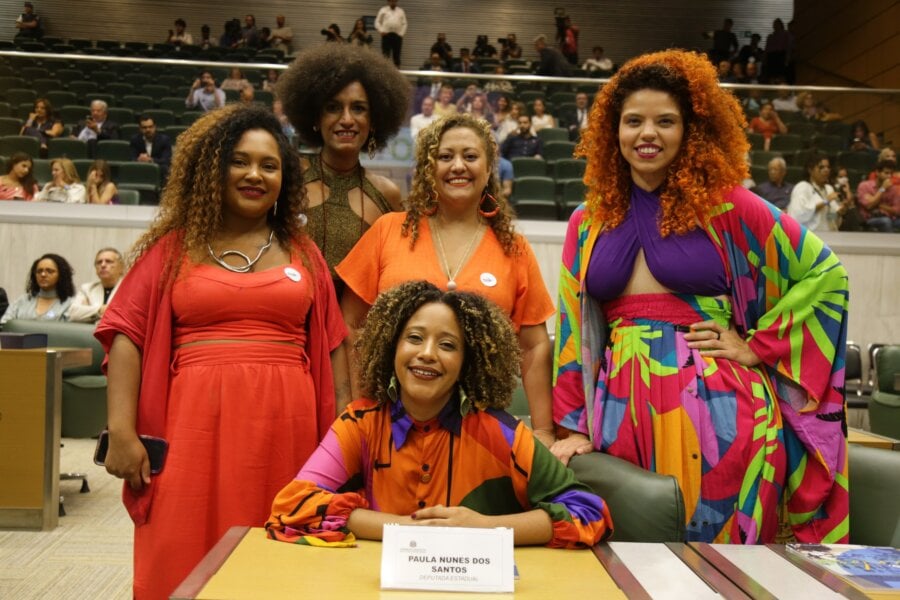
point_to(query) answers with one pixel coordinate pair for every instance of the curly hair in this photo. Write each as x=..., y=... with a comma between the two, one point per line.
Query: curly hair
x=318, y=74
x=192, y=201
x=491, y=350
x=711, y=158
x=423, y=196
x=65, y=285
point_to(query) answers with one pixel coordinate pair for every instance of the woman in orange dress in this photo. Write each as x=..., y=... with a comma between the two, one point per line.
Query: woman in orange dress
x=458, y=234
x=221, y=340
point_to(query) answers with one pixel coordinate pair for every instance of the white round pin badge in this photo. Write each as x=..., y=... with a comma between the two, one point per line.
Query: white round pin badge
x=488, y=279
x=292, y=273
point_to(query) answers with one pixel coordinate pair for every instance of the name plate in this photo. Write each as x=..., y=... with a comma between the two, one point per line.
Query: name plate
x=455, y=559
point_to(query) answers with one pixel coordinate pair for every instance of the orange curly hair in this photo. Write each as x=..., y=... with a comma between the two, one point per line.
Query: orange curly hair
x=711, y=159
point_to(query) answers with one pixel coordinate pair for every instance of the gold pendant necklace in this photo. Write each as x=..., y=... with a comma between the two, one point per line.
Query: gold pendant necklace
x=451, y=277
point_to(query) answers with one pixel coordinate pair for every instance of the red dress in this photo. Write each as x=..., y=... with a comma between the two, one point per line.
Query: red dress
x=241, y=417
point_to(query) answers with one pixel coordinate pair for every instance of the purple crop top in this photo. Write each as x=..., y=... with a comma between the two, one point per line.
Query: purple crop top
x=686, y=264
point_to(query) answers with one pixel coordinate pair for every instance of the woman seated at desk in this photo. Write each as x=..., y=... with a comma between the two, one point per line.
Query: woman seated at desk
x=430, y=443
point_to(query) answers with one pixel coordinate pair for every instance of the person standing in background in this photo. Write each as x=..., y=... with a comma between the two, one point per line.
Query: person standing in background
x=391, y=24
x=281, y=36
x=28, y=24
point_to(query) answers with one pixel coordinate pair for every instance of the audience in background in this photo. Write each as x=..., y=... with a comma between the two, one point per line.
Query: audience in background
x=442, y=49
x=466, y=63
x=501, y=105
x=776, y=190
x=724, y=43
x=43, y=124
x=422, y=119
x=445, y=105
x=499, y=85
x=97, y=126
x=100, y=188
x=523, y=142
x=815, y=203
x=360, y=36
x=49, y=292
x=179, y=36
x=551, y=62
x=65, y=186
x=204, y=94
x=751, y=53
x=282, y=36
x=28, y=24
x=391, y=23
x=767, y=124
x=861, y=139
x=567, y=36
x=510, y=124
x=597, y=62
x=511, y=48
x=271, y=80
x=778, y=44
x=785, y=101
x=150, y=145
x=879, y=199
x=249, y=33
x=19, y=182
x=576, y=120
x=92, y=299
x=286, y=127
x=247, y=94
x=235, y=80
x=483, y=48
x=206, y=41
x=540, y=119
x=506, y=175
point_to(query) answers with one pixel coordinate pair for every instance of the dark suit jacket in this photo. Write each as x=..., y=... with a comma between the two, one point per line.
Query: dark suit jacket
x=553, y=63
x=160, y=152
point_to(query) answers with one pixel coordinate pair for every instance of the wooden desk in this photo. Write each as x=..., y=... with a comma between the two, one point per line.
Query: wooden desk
x=873, y=440
x=246, y=564
x=30, y=404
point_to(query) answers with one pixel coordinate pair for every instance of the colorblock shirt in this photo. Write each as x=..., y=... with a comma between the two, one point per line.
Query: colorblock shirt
x=376, y=456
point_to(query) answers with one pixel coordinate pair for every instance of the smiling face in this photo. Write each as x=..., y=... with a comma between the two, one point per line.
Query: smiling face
x=253, y=181
x=108, y=266
x=47, y=274
x=428, y=360
x=462, y=169
x=344, y=122
x=650, y=132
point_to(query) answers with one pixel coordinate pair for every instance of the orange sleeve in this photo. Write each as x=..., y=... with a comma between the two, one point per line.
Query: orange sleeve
x=361, y=268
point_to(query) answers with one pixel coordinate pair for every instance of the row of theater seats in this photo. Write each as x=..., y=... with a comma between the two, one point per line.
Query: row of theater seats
x=142, y=49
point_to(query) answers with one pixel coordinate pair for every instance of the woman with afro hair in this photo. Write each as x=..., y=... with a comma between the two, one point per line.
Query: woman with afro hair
x=221, y=340
x=344, y=99
x=700, y=331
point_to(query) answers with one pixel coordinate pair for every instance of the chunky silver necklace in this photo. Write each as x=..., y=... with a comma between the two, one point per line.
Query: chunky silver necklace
x=250, y=263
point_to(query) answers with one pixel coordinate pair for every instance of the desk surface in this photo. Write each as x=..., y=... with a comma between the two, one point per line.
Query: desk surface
x=243, y=563
x=873, y=440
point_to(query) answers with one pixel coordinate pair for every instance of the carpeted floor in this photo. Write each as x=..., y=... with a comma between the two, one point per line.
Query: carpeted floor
x=88, y=555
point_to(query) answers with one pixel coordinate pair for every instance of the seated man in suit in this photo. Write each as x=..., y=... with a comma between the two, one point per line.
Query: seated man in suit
x=96, y=126
x=576, y=120
x=151, y=146
x=94, y=297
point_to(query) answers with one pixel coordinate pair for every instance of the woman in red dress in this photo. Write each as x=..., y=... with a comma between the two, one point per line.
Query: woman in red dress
x=221, y=340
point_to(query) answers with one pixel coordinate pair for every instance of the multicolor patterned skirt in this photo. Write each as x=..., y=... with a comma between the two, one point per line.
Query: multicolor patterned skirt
x=711, y=423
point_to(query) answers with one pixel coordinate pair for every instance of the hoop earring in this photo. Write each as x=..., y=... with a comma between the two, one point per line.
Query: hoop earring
x=465, y=403
x=488, y=214
x=393, y=388
x=372, y=147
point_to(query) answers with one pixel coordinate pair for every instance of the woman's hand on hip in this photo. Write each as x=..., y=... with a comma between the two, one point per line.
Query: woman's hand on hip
x=712, y=339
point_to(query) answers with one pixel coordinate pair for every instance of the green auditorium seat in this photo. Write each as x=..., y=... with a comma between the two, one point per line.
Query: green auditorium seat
x=553, y=134
x=43, y=172
x=10, y=126
x=121, y=115
x=829, y=144
x=161, y=117
x=32, y=73
x=17, y=96
x=129, y=197
x=787, y=143
x=524, y=166
x=554, y=151
x=42, y=86
x=859, y=161
x=66, y=148
x=113, y=150
x=10, y=144
x=568, y=169
x=82, y=88
x=137, y=103
x=73, y=113
x=61, y=97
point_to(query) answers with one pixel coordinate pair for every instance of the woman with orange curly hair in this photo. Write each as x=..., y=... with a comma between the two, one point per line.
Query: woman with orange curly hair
x=457, y=233
x=700, y=331
x=221, y=340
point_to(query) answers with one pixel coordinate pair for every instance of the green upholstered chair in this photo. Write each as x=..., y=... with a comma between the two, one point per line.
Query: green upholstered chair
x=884, y=407
x=83, y=388
x=645, y=506
x=874, y=496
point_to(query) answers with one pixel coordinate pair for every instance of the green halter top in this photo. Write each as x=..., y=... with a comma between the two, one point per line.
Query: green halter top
x=333, y=225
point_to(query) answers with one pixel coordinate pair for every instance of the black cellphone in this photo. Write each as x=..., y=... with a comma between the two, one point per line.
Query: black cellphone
x=156, y=447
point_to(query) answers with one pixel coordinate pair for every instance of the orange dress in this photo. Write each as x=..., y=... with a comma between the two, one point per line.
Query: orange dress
x=383, y=259
x=242, y=416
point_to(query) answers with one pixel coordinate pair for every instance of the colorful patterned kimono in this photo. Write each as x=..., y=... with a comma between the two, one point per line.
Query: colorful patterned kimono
x=376, y=456
x=740, y=440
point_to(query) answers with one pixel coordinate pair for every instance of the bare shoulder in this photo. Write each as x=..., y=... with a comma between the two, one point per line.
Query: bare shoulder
x=388, y=189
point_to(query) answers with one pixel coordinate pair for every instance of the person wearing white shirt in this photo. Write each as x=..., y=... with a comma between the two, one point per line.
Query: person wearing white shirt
x=204, y=94
x=92, y=299
x=65, y=187
x=390, y=22
x=814, y=203
x=423, y=119
x=180, y=37
x=282, y=35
